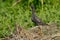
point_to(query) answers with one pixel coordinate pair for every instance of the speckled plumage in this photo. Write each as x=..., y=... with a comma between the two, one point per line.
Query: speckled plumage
x=34, y=18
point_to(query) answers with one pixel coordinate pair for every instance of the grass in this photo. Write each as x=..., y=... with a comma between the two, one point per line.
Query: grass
x=21, y=13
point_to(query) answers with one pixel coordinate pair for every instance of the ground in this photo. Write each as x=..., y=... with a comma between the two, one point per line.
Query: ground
x=46, y=32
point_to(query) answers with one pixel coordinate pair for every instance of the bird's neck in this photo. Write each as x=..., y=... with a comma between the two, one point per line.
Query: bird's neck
x=33, y=11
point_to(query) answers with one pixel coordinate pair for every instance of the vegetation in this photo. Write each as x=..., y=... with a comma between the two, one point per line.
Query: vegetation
x=19, y=11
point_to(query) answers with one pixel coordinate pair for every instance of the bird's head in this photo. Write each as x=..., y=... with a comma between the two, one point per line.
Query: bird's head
x=32, y=6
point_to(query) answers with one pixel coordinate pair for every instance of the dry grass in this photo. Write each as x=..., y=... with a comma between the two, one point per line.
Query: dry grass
x=35, y=33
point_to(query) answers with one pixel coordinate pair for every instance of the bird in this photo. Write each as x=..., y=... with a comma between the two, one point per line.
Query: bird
x=34, y=18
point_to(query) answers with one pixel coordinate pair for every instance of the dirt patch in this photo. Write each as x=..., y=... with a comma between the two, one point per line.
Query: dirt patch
x=46, y=32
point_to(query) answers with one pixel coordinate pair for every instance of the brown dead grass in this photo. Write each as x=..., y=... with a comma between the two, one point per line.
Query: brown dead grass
x=35, y=33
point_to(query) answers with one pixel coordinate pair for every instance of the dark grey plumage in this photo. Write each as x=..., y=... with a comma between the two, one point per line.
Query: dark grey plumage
x=34, y=18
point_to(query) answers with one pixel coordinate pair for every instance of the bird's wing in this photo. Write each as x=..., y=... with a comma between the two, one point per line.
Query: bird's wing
x=37, y=19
